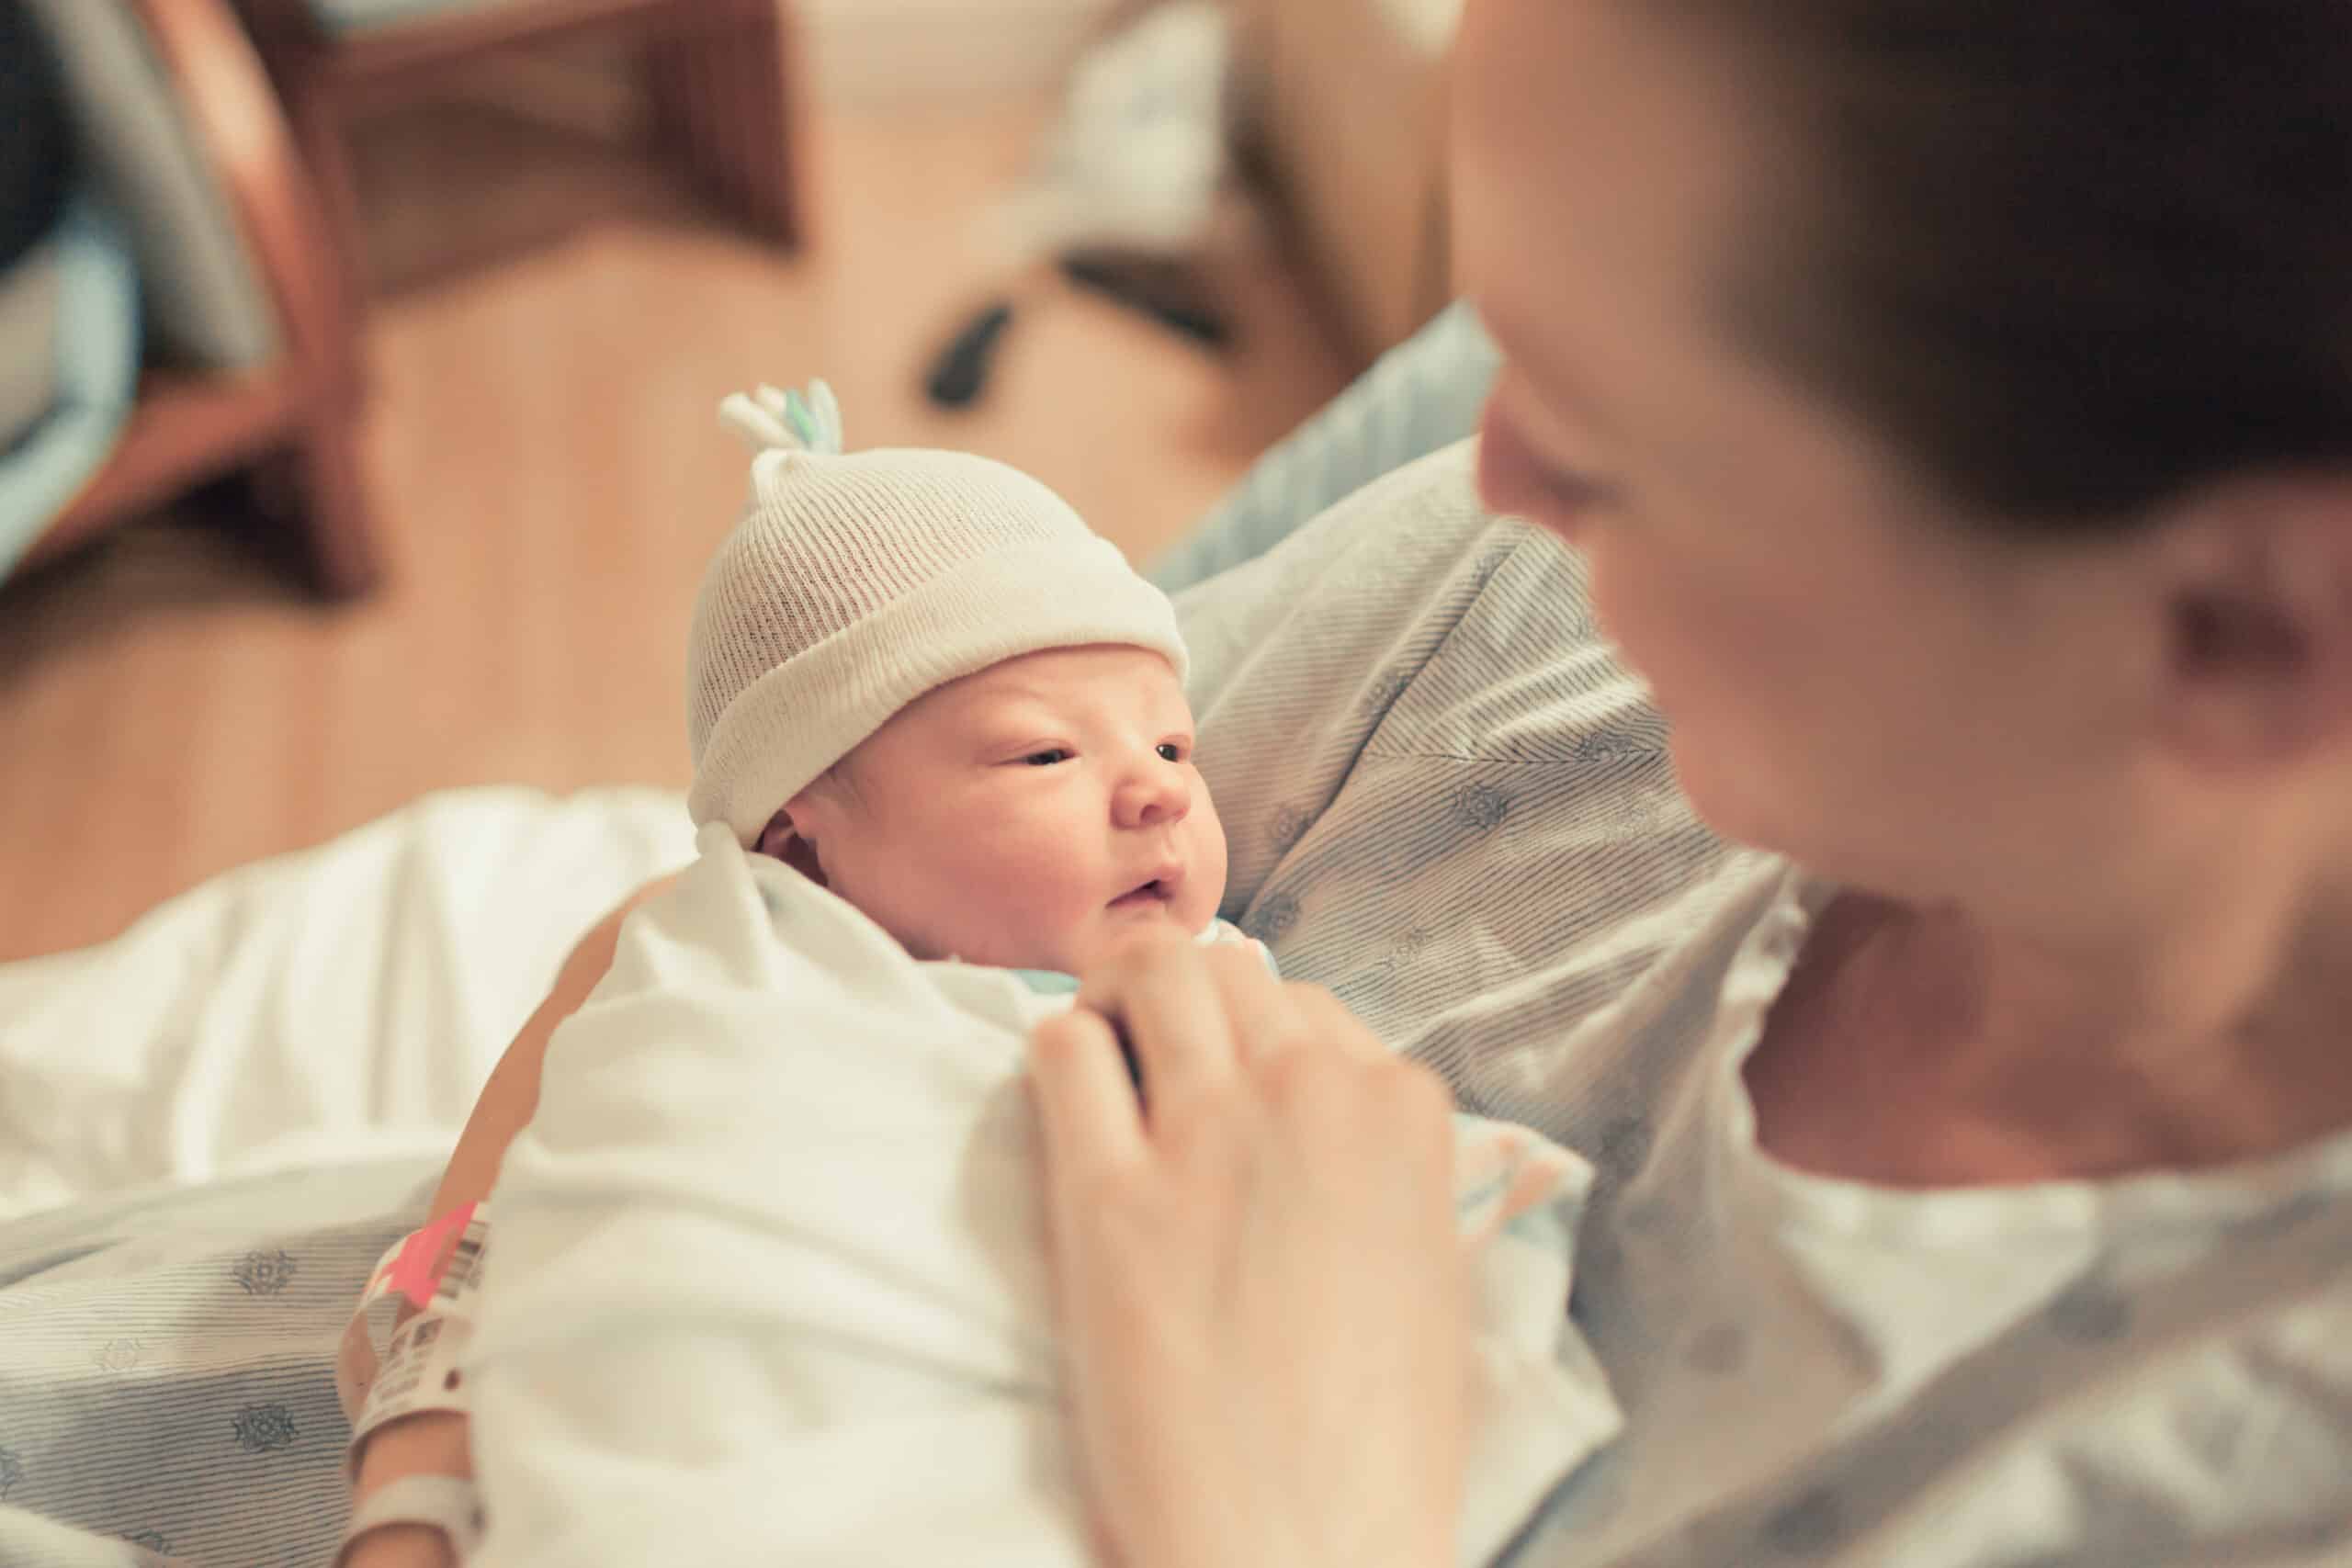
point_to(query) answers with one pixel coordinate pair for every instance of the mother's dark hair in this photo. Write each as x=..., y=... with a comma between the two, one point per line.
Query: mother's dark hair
x=2070, y=257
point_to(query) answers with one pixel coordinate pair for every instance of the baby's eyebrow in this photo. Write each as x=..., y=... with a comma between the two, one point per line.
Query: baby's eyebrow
x=1021, y=705
x=1017, y=685
x=1016, y=712
x=1026, y=726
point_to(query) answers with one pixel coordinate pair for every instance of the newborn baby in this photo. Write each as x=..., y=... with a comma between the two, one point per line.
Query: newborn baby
x=769, y=1281
x=917, y=678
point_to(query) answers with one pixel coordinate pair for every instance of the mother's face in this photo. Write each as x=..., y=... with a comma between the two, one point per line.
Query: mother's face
x=1852, y=678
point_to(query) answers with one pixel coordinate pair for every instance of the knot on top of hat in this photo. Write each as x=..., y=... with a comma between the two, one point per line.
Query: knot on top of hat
x=769, y=420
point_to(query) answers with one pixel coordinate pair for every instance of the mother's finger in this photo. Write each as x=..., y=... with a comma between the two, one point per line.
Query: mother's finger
x=1162, y=998
x=1258, y=1006
x=1086, y=1106
x=1325, y=1019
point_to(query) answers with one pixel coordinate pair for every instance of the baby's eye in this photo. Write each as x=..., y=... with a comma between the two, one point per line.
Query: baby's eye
x=1170, y=752
x=1048, y=758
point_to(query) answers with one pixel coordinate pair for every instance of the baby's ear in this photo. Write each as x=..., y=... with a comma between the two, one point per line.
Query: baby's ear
x=782, y=841
x=777, y=836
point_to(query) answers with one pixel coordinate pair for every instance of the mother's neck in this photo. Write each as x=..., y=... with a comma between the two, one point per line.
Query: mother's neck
x=1945, y=1051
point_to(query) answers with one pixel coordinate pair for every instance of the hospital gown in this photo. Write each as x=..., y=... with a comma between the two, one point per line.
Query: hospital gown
x=1451, y=805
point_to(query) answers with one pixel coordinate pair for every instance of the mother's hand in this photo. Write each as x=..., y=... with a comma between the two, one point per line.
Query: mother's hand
x=1261, y=1292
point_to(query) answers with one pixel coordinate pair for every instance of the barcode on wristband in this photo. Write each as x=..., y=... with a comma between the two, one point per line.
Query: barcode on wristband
x=464, y=1266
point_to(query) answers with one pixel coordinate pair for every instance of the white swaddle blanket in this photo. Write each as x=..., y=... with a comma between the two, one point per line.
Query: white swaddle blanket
x=769, y=1285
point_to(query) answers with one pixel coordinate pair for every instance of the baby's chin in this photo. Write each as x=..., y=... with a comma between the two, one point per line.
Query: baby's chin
x=1119, y=926
x=1069, y=945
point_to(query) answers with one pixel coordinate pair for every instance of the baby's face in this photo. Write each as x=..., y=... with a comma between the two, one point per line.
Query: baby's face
x=1031, y=816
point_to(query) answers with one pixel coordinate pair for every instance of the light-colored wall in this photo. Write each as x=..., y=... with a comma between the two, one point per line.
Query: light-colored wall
x=894, y=52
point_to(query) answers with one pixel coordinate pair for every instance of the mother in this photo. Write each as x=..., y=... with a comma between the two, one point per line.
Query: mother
x=1955, y=408
x=1956, y=412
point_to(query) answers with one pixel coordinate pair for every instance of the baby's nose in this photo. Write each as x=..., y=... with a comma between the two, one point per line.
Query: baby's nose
x=1158, y=798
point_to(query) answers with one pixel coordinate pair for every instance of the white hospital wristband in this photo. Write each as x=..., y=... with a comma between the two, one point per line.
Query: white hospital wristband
x=445, y=1503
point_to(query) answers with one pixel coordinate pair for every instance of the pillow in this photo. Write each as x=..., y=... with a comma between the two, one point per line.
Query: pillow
x=95, y=369
x=205, y=302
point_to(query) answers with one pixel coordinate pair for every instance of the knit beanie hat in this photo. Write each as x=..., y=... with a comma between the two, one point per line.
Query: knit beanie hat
x=854, y=584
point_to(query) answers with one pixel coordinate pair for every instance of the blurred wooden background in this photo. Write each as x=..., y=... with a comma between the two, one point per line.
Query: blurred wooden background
x=551, y=330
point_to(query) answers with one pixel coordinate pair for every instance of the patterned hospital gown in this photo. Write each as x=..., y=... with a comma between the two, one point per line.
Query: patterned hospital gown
x=1451, y=806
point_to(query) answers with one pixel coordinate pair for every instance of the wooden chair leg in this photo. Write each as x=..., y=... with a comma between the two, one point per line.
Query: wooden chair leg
x=773, y=83
x=321, y=493
x=320, y=131
x=668, y=64
x=763, y=120
x=721, y=96
x=321, y=134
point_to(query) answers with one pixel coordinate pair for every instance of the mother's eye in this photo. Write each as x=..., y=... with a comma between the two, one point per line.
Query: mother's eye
x=1577, y=491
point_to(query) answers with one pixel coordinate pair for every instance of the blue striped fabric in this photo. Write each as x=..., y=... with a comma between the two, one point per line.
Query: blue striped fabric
x=167, y=1387
x=1445, y=798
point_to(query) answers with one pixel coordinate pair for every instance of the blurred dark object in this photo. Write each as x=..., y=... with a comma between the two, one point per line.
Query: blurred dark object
x=717, y=75
x=289, y=422
x=1127, y=195
x=35, y=160
x=961, y=373
x=1167, y=291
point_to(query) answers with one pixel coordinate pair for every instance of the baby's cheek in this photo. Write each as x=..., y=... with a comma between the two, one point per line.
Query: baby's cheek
x=1209, y=863
x=1036, y=905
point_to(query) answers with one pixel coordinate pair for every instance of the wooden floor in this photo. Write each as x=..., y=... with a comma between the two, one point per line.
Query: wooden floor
x=549, y=478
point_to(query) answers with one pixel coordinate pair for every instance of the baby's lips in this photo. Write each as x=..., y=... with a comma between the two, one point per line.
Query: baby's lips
x=1160, y=889
x=1164, y=882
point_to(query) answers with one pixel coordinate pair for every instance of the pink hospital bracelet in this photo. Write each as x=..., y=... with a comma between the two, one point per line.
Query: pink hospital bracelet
x=438, y=1270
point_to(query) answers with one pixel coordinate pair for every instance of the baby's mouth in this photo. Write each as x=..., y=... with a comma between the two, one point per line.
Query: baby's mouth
x=1158, y=891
